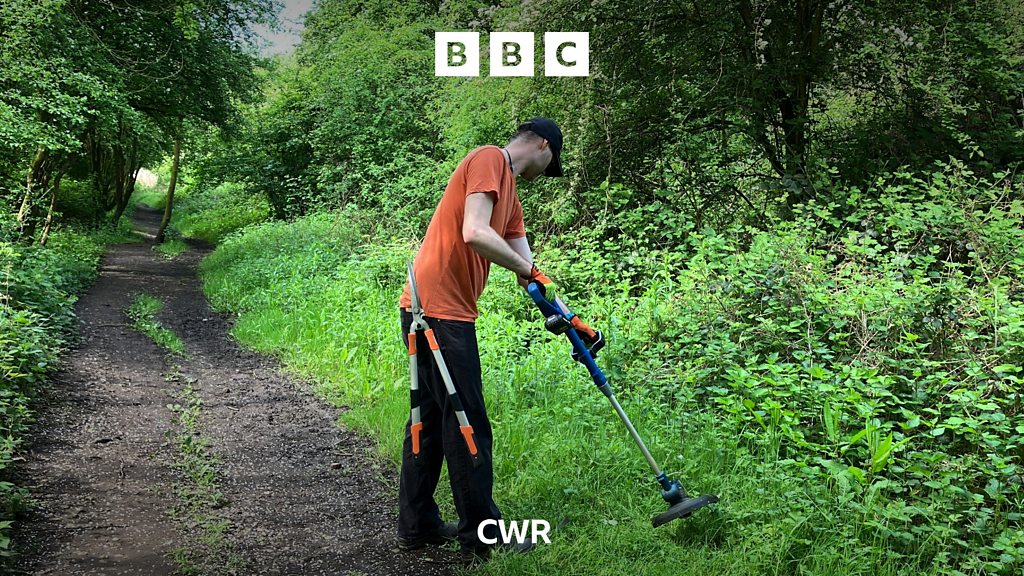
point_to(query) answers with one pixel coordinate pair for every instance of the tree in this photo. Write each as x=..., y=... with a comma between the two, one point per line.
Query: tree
x=103, y=80
x=795, y=79
x=51, y=85
x=185, y=61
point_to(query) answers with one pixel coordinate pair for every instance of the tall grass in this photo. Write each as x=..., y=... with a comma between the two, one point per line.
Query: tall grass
x=322, y=295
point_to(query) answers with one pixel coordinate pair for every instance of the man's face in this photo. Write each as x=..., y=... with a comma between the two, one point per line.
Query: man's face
x=539, y=162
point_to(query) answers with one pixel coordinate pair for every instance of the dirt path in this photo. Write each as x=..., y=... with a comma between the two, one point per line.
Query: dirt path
x=300, y=495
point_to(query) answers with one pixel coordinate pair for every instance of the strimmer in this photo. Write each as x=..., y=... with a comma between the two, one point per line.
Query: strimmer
x=585, y=344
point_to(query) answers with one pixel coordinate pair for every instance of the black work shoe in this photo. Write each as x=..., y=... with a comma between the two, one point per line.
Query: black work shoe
x=471, y=557
x=439, y=536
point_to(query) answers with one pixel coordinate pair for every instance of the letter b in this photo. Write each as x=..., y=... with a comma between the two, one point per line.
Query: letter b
x=512, y=57
x=456, y=54
x=511, y=54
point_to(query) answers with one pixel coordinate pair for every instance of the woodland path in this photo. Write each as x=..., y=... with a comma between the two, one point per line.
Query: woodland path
x=300, y=495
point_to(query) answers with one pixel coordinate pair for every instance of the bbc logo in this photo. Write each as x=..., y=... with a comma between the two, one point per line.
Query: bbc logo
x=511, y=54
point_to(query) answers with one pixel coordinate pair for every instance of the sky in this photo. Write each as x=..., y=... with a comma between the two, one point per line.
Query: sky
x=285, y=40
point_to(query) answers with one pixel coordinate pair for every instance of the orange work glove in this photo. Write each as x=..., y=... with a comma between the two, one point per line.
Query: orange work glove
x=588, y=334
x=537, y=276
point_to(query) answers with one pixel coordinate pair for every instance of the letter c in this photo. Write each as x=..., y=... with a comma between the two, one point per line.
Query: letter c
x=558, y=54
x=480, y=532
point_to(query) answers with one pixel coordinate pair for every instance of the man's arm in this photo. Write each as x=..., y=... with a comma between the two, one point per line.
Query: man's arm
x=477, y=232
x=522, y=247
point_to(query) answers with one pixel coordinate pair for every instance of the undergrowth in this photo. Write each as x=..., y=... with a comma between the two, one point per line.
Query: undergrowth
x=847, y=383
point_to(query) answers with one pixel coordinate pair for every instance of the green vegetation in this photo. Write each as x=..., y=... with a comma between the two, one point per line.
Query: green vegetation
x=849, y=395
x=211, y=215
x=799, y=224
x=205, y=212
x=95, y=90
x=171, y=249
x=210, y=552
x=142, y=311
x=151, y=198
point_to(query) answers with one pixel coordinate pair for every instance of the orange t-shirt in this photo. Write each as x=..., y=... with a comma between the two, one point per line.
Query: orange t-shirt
x=450, y=275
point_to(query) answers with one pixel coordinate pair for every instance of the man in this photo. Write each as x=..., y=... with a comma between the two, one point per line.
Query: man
x=479, y=220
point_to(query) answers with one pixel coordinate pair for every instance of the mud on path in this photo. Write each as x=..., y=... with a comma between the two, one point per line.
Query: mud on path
x=300, y=495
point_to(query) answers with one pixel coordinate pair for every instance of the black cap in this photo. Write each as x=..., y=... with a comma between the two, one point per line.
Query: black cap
x=548, y=130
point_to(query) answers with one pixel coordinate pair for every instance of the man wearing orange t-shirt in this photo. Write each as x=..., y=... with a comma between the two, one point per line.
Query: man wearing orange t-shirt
x=479, y=220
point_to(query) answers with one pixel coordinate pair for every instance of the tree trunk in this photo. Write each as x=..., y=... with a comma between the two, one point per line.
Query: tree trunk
x=36, y=178
x=794, y=100
x=54, y=192
x=95, y=168
x=118, y=171
x=170, y=187
x=794, y=124
x=794, y=105
x=129, y=190
x=126, y=185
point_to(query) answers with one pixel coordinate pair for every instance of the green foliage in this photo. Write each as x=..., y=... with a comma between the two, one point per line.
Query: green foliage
x=47, y=77
x=151, y=198
x=211, y=215
x=848, y=382
x=839, y=345
x=244, y=271
x=872, y=344
x=142, y=311
x=44, y=281
x=96, y=89
x=845, y=371
x=789, y=98
x=79, y=202
x=270, y=155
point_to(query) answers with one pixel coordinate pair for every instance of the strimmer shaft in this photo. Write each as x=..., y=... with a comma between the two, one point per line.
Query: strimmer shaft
x=606, y=389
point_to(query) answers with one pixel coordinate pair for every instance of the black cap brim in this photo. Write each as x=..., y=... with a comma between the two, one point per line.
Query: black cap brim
x=555, y=166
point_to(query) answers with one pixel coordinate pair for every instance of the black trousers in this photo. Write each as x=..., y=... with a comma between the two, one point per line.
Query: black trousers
x=441, y=439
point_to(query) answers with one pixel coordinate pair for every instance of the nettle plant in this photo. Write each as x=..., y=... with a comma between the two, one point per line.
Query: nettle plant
x=875, y=345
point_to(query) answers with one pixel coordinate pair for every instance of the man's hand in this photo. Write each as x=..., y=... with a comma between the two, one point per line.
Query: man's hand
x=537, y=276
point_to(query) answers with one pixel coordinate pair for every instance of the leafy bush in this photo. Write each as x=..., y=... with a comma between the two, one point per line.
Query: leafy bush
x=37, y=294
x=212, y=214
x=873, y=344
x=79, y=202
